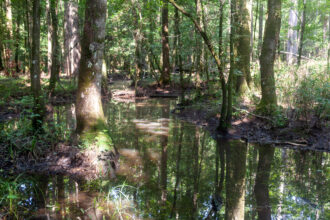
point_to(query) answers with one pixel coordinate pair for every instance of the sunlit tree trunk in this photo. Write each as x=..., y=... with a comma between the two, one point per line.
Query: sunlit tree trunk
x=292, y=46
x=178, y=46
x=165, y=75
x=261, y=23
x=261, y=188
x=38, y=105
x=88, y=103
x=71, y=38
x=55, y=63
x=9, y=24
x=242, y=41
x=268, y=102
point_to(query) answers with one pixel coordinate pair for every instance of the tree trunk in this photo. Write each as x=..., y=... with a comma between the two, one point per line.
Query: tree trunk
x=268, y=102
x=38, y=105
x=9, y=25
x=165, y=75
x=90, y=116
x=302, y=32
x=261, y=23
x=18, y=21
x=49, y=36
x=178, y=46
x=137, y=39
x=71, y=38
x=261, y=189
x=55, y=63
x=198, y=49
x=292, y=46
x=242, y=41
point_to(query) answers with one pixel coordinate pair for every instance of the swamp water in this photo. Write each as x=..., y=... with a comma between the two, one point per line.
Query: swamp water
x=171, y=169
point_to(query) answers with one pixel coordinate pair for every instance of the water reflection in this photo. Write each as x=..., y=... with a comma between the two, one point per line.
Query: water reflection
x=170, y=169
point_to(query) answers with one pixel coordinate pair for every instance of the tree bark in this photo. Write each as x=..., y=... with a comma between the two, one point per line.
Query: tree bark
x=49, y=36
x=18, y=22
x=261, y=23
x=71, y=38
x=89, y=109
x=165, y=75
x=292, y=46
x=55, y=63
x=302, y=32
x=38, y=105
x=137, y=39
x=268, y=102
x=242, y=41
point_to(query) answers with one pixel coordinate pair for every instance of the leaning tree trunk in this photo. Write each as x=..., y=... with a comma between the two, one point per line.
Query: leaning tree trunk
x=38, y=104
x=268, y=102
x=55, y=63
x=89, y=109
x=165, y=75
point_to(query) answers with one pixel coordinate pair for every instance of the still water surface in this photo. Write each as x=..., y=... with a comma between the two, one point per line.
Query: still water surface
x=171, y=169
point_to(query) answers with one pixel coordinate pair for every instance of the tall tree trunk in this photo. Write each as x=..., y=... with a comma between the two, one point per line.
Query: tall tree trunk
x=18, y=21
x=49, y=36
x=292, y=46
x=55, y=63
x=137, y=39
x=198, y=49
x=9, y=49
x=38, y=105
x=165, y=75
x=268, y=102
x=178, y=46
x=90, y=116
x=261, y=23
x=261, y=188
x=302, y=32
x=71, y=38
x=242, y=41
x=27, y=55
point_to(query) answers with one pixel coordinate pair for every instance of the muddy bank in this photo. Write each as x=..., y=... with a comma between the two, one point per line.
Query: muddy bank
x=253, y=128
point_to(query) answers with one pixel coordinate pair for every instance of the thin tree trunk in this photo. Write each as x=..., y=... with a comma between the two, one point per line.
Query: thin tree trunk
x=137, y=39
x=18, y=21
x=55, y=63
x=49, y=36
x=261, y=23
x=292, y=47
x=198, y=49
x=165, y=75
x=302, y=32
x=38, y=105
x=268, y=102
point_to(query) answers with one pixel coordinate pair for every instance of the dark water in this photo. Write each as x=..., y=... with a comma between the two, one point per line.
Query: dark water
x=170, y=169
